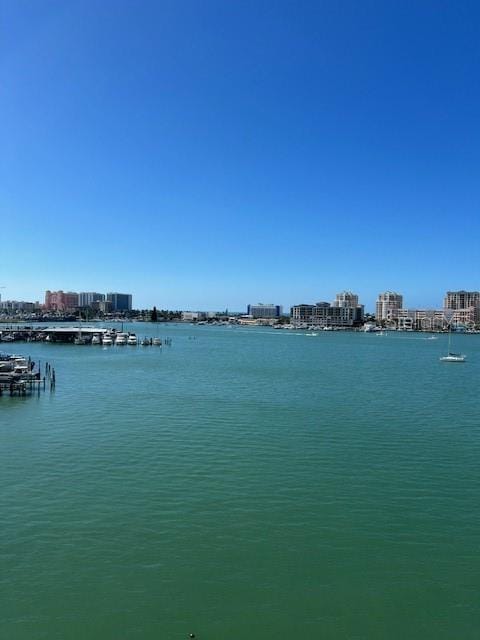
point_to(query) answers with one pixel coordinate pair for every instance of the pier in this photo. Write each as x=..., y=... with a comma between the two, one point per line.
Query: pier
x=17, y=376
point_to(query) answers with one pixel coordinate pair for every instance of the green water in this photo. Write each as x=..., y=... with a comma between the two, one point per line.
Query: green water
x=247, y=484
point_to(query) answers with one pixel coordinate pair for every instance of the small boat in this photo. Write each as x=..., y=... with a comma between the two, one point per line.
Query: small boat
x=96, y=339
x=157, y=342
x=146, y=342
x=311, y=334
x=453, y=357
x=121, y=339
x=132, y=339
x=107, y=340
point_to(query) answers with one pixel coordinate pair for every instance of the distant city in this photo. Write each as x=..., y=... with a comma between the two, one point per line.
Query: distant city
x=460, y=309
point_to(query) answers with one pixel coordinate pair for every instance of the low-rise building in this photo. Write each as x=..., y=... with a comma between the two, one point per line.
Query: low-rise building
x=421, y=320
x=193, y=316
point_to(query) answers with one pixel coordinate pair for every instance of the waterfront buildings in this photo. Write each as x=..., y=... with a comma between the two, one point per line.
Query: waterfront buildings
x=120, y=301
x=465, y=306
x=70, y=301
x=13, y=306
x=266, y=311
x=461, y=299
x=387, y=306
x=88, y=298
x=420, y=320
x=346, y=299
x=60, y=301
x=193, y=316
x=344, y=312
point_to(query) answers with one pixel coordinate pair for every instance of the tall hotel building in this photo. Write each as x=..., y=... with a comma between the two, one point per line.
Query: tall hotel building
x=388, y=305
x=465, y=304
x=60, y=301
x=87, y=298
x=120, y=301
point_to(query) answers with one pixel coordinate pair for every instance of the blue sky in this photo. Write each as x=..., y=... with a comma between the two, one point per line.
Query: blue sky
x=211, y=154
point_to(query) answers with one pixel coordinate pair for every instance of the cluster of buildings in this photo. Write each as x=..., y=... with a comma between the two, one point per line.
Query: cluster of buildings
x=460, y=309
x=71, y=301
x=68, y=302
x=345, y=311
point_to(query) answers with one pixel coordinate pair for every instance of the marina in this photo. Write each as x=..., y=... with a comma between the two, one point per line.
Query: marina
x=78, y=335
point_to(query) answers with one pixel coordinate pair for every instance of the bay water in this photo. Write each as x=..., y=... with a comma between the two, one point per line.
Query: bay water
x=244, y=483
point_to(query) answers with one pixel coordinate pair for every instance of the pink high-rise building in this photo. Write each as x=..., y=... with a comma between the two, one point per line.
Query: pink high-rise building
x=60, y=301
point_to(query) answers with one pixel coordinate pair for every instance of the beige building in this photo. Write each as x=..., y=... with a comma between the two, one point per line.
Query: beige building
x=388, y=304
x=344, y=312
x=346, y=299
x=421, y=320
x=465, y=304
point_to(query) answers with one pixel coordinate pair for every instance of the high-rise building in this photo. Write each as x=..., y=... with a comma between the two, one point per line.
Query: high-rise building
x=61, y=301
x=466, y=301
x=87, y=298
x=261, y=310
x=346, y=299
x=388, y=304
x=349, y=300
x=120, y=301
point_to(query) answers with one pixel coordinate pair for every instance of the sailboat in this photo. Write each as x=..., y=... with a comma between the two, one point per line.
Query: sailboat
x=451, y=356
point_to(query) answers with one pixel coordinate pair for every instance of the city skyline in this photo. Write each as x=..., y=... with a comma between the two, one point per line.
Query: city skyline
x=204, y=156
x=387, y=302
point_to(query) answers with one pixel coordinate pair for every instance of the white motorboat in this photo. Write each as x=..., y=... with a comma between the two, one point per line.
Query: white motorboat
x=121, y=339
x=132, y=339
x=107, y=340
x=157, y=342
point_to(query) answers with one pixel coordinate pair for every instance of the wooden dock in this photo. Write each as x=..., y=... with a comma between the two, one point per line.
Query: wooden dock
x=31, y=385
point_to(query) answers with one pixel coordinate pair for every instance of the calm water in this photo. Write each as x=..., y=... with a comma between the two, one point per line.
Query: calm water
x=246, y=484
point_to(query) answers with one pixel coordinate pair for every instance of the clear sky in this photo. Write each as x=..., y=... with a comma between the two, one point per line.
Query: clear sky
x=211, y=154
